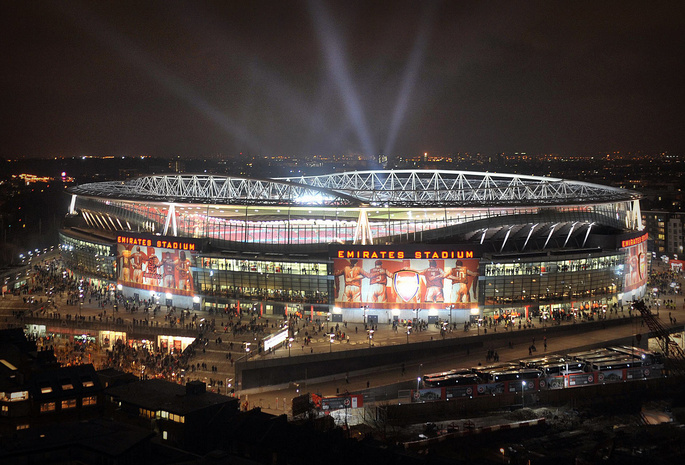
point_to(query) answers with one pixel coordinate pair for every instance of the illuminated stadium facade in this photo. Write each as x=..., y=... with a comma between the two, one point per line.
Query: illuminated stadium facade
x=363, y=246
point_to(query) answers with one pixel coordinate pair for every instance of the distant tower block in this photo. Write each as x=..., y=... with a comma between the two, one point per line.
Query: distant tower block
x=362, y=234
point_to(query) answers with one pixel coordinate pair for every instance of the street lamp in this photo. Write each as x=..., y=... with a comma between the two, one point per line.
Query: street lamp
x=330, y=342
x=408, y=332
x=290, y=344
x=370, y=336
x=418, y=378
x=523, y=393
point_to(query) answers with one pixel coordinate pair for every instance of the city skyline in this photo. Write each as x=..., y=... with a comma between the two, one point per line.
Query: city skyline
x=305, y=78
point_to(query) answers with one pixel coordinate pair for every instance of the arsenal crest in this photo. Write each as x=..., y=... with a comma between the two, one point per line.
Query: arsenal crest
x=406, y=284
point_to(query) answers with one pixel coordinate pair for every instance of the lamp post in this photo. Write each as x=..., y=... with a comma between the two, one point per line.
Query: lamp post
x=418, y=377
x=523, y=394
x=290, y=344
x=370, y=336
x=330, y=342
x=408, y=331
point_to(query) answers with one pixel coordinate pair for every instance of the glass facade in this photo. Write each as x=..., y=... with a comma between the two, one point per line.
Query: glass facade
x=233, y=278
x=542, y=282
x=88, y=257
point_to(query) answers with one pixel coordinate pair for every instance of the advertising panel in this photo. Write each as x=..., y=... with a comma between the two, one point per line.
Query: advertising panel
x=553, y=382
x=342, y=402
x=379, y=277
x=160, y=264
x=636, y=264
x=610, y=376
x=458, y=391
x=490, y=389
x=581, y=379
x=423, y=395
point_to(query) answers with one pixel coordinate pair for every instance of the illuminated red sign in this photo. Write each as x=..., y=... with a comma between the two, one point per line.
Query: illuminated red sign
x=400, y=254
x=161, y=243
x=635, y=240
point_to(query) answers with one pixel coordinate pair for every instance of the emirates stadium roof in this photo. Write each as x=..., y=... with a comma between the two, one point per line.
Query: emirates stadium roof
x=392, y=188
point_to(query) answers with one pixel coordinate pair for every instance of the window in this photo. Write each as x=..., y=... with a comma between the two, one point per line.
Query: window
x=45, y=389
x=163, y=414
x=145, y=413
x=16, y=396
x=67, y=385
x=20, y=427
x=68, y=403
x=89, y=400
x=164, y=435
x=177, y=418
x=19, y=396
x=87, y=382
x=47, y=407
x=5, y=409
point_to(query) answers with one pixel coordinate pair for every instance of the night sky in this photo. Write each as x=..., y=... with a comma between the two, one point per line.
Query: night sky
x=300, y=78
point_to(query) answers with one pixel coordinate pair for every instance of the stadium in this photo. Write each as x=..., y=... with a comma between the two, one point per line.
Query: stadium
x=363, y=246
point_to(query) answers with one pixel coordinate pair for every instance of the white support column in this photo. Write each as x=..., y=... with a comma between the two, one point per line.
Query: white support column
x=173, y=221
x=532, y=228
x=362, y=233
x=587, y=234
x=72, y=205
x=171, y=215
x=551, y=231
x=638, y=215
x=505, y=239
x=570, y=231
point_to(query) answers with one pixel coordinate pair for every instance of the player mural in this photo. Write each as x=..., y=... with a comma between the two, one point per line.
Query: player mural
x=636, y=264
x=156, y=264
x=406, y=279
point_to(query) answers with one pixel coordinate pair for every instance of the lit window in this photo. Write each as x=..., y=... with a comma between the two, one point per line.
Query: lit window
x=87, y=382
x=164, y=435
x=163, y=414
x=47, y=407
x=69, y=403
x=5, y=409
x=19, y=396
x=66, y=385
x=89, y=400
x=20, y=427
x=145, y=413
x=177, y=418
x=45, y=390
